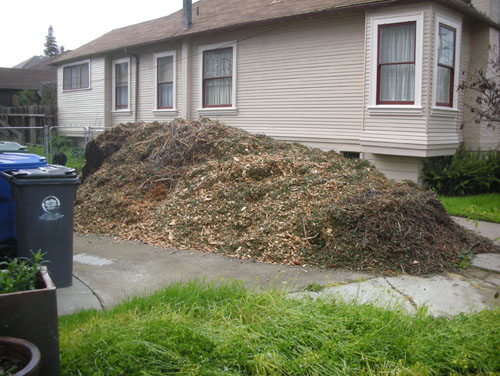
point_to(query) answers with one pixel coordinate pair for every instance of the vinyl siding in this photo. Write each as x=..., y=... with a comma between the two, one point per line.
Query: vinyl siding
x=479, y=136
x=482, y=6
x=300, y=81
x=83, y=107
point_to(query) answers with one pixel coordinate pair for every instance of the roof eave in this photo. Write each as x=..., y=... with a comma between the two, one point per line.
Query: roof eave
x=469, y=10
x=455, y=4
x=188, y=34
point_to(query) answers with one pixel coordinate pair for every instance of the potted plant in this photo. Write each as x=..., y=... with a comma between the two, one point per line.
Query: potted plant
x=18, y=357
x=28, y=308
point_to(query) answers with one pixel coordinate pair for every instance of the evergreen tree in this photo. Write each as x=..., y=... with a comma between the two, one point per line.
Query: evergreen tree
x=51, y=48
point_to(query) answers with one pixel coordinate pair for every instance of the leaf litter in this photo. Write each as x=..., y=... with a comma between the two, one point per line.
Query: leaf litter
x=206, y=186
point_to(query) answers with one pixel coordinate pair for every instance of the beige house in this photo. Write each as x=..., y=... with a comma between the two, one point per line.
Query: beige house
x=374, y=77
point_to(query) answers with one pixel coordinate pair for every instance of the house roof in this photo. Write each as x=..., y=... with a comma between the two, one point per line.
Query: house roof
x=13, y=78
x=213, y=15
x=39, y=62
x=29, y=63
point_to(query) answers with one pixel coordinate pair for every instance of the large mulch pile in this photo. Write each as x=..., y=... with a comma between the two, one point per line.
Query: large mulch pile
x=205, y=186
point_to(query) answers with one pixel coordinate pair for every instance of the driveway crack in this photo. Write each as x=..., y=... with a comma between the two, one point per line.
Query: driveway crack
x=406, y=296
x=92, y=291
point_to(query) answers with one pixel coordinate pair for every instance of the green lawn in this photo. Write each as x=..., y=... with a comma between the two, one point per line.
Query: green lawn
x=207, y=329
x=485, y=207
x=74, y=161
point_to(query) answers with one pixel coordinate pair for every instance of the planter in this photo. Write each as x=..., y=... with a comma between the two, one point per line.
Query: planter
x=32, y=315
x=19, y=356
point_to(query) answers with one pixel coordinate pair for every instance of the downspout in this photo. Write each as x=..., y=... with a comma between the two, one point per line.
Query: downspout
x=364, y=83
x=136, y=86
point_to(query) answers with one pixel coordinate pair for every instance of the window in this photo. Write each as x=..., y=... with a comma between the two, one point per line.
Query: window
x=121, y=87
x=76, y=76
x=445, y=65
x=447, y=57
x=218, y=77
x=396, y=63
x=165, y=80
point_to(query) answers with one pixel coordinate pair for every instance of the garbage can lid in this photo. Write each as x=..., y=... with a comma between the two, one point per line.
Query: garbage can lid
x=6, y=146
x=44, y=172
x=10, y=161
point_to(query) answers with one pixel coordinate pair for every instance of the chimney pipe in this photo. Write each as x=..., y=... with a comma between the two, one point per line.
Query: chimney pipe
x=187, y=11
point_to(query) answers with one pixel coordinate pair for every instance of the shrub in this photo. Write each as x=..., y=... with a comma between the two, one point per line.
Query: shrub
x=26, y=98
x=466, y=172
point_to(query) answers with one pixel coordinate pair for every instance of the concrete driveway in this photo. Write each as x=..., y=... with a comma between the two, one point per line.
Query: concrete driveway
x=106, y=271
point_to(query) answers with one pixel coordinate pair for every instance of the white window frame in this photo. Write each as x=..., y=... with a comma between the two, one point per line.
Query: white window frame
x=156, y=56
x=71, y=65
x=113, y=88
x=216, y=110
x=397, y=109
x=457, y=25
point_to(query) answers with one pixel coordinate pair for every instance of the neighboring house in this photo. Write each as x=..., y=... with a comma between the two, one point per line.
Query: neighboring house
x=30, y=63
x=30, y=74
x=13, y=81
x=375, y=77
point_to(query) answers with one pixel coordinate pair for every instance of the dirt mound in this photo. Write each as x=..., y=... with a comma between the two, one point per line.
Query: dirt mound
x=202, y=185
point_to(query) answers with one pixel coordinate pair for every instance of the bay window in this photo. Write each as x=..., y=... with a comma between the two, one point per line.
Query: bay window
x=396, y=63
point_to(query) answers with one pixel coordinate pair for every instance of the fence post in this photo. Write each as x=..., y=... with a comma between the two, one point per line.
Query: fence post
x=89, y=135
x=46, y=133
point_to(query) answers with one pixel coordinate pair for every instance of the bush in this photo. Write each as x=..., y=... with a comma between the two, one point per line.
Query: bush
x=26, y=98
x=466, y=172
x=49, y=94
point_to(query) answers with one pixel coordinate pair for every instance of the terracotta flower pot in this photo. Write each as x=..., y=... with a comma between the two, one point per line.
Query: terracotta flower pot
x=18, y=357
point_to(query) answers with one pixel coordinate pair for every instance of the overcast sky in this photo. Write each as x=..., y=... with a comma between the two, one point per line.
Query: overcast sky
x=25, y=23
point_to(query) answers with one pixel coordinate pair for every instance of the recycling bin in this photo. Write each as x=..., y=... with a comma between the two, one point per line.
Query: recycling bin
x=9, y=146
x=10, y=161
x=44, y=199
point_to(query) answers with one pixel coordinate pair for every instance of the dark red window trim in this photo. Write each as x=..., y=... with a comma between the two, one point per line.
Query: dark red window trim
x=117, y=106
x=70, y=68
x=452, y=68
x=214, y=78
x=379, y=65
x=158, y=83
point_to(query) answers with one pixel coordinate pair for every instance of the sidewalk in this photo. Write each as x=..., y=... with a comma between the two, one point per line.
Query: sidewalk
x=487, y=229
x=106, y=271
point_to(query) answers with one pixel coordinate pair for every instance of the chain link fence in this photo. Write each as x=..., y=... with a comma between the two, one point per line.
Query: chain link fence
x=59, y=144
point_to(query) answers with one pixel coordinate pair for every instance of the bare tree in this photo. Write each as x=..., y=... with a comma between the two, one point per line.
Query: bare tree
x=485, y=84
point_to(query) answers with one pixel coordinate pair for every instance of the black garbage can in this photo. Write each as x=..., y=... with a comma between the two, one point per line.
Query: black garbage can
x=44, y=199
